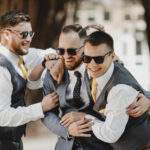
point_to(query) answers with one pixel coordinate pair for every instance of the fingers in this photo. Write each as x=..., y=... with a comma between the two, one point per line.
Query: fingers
x=86, y=130
x=133, y=111
x=87, y=125
x=65, y=121
x=140, y=95
x=60, y=77
x=51, y=56
x=63, y=118
x=67, y=124
x=83, y=121
x=85, y=135
x=132, y=106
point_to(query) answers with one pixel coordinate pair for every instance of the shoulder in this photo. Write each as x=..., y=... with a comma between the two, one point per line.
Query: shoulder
x=122, y=94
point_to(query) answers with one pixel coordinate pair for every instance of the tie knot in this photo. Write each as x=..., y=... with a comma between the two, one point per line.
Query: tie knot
x=20, y=61
x=77, y=74
x=94, y=82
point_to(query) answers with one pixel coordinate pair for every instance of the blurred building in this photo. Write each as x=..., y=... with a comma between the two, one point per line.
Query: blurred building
x=124, y=20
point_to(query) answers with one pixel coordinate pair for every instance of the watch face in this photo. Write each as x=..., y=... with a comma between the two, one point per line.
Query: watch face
x=43, y=63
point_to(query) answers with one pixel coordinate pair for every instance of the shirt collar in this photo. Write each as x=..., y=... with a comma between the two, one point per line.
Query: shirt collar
x=102, y=80
x=81, y=69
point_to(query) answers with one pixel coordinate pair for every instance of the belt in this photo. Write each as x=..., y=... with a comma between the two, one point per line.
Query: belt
x=144, y=147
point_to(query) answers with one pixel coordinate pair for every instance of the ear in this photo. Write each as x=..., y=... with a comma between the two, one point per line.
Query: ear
x=6, y=35
x=113, y=55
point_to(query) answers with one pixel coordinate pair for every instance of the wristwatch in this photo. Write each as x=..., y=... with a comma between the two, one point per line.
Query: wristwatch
x=43, y=63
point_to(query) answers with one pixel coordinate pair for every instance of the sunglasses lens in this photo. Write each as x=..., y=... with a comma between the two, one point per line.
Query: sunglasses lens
x=24, y=35
x=31, y=34
x=99, y=59
x=71, y=51
x=87, y=59
x=60, y=51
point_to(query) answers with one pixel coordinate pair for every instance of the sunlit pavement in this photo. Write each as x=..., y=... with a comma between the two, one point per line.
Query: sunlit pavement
x=38, y=137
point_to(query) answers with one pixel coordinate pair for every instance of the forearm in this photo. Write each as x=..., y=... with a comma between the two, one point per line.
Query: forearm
x=51, y=121
x=36, y=73
x=18, y=116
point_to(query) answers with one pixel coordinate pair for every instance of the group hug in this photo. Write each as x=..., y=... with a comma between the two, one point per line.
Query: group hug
x=90, y=100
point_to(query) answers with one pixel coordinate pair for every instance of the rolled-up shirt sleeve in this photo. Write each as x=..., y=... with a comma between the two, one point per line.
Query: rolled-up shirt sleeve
x=10, y=116
x=119, y=98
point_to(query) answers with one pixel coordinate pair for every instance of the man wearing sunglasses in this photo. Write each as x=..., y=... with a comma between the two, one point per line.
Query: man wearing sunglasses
x=113, y=90
x=73, y=96
x=70, y=111
x=16, y=36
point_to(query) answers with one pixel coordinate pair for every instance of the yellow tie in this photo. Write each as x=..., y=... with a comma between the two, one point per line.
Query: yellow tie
x=94, y=89
x=24, y=71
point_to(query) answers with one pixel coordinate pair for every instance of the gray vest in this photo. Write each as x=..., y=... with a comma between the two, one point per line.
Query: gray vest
x=137, y=131
x=17, y=99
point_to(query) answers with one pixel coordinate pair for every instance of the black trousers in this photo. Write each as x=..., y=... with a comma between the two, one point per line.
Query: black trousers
x=10, y=145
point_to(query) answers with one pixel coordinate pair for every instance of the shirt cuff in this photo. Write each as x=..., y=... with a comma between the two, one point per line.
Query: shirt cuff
x=37, y=111
x=94, y=119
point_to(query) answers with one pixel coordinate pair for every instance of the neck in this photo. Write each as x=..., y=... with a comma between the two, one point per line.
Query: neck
x=5, y=44
x=77, y=68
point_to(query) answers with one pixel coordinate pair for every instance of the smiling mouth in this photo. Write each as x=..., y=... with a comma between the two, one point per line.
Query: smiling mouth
x=69, y=61
x=96, y=70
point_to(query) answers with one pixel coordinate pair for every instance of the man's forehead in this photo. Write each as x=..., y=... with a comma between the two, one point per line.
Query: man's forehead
x=69, y=39
x=25, y=25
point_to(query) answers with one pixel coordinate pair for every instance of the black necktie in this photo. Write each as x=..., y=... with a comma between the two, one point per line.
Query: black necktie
x=76, y=91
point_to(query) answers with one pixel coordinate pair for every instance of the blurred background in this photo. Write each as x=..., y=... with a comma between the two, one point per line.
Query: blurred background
x=128, y=21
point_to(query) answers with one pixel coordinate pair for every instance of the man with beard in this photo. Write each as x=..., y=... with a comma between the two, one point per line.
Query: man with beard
x=72, y=92
x=16, y=35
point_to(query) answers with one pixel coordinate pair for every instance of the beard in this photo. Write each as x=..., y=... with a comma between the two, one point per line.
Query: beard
x=76, y=65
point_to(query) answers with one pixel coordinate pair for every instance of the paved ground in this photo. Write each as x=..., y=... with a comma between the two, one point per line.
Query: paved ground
x=38, y=137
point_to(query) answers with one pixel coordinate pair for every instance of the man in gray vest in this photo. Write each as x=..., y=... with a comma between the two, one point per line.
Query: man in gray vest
x=113, y=90
x=16, y=35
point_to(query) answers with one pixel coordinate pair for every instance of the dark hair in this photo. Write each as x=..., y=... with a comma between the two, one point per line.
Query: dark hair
x=12, y=18
x=98, y=37
x=97, y=27
x=75, y=28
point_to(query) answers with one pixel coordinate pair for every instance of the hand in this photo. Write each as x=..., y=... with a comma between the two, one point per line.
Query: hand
x=140, y=107
x=50, y=101
x=71, y=117
x=51, y=57
x=80, y=127
x=56, y=68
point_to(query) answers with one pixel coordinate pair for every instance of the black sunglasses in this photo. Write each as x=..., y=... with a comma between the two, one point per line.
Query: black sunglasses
x=70, y=51
x=24, y=34
x=97, y=59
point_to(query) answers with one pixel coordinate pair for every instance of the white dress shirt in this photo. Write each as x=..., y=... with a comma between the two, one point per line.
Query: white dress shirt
x=10, y=116
x=119, y=98
x=73, y=80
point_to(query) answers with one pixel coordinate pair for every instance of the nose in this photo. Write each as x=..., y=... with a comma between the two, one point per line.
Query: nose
x=29, y=38
x=66, y=55
x=93, y=63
